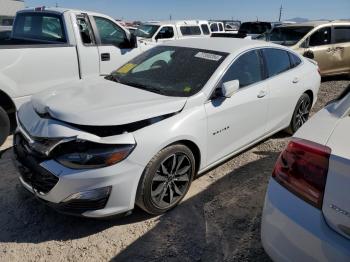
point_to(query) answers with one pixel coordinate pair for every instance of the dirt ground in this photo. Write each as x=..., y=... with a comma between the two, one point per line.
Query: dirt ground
x=218, y=221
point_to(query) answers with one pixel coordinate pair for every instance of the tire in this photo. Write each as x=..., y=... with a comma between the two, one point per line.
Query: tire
x=161, y=176
x=301, y=113
x=4, y=126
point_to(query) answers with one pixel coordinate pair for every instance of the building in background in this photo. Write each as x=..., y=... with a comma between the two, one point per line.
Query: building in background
x=8, y=9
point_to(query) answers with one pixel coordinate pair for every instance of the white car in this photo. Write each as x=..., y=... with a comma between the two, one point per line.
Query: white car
x=143, y=133
x=306, y=215
x=163, y=31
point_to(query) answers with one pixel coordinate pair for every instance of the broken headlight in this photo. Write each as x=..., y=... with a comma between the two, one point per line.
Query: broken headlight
x=89, y=155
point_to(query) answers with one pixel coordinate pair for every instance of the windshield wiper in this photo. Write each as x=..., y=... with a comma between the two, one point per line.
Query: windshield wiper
x=145, y=87
x=113, y=78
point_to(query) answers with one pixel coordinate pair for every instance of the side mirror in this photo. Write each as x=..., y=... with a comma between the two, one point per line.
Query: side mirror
x=229, y=88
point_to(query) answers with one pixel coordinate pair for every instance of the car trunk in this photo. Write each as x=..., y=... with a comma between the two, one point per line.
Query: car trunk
x=336, y=204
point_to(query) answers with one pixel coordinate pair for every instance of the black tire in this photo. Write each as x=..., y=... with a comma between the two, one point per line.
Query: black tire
x=301, y=113
x=148, y=187
x=4, y=125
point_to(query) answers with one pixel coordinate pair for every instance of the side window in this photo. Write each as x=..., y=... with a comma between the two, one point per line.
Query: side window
x=85, y=30
x=214, y=27
x=190, y=30
x=165, y=32
x=294, y=60
x=247, y=69
x=42, y=27
x=221, y=28
x=277, y=61
x=321, y=37
x=342, y=34
x=110, y=33
x=205, y=29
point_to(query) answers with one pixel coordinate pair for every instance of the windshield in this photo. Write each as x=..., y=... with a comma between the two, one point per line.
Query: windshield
x=146, y=31
x=288, y=36
x=170, y=71
x=254, y=28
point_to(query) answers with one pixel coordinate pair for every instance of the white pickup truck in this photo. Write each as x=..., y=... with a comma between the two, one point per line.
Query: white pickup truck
x=52, y=46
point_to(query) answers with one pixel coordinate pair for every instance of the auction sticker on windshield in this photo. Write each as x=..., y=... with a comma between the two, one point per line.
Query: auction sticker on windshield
x=126, y=68
x=208, y=56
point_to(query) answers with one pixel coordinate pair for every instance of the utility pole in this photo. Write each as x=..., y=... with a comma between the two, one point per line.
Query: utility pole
x=170, y=17
x=281, y=9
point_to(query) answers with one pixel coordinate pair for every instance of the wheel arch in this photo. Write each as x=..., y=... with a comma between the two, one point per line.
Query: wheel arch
x=310, y=94
x=6, y=102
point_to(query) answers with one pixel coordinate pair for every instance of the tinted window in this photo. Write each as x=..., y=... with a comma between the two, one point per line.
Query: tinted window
x=342, y=34
x=254, y=27
x=165, y=32
x=171, y=71
x=246, y=69
x=110, y=33
x=214, y=27
x=277, y=61
x=221, y=28
x=190, y=30
x=205, y=29
x=321, y=37
x=43, y=27
x=294, y=60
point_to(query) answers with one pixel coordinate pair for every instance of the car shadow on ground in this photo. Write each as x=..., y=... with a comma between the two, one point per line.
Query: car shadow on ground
x=220, y=223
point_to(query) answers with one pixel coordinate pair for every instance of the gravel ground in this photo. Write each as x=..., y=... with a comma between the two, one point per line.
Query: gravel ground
x=218, y=221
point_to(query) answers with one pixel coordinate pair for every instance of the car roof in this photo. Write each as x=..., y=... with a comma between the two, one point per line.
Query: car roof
x=221, y=44
x=176, y=22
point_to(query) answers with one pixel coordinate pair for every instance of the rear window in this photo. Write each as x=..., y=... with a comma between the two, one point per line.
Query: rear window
x=190, y=30
x=342, y=34
x=277, y=61
x=42, y=27
x=205, y=29
x=255, y=27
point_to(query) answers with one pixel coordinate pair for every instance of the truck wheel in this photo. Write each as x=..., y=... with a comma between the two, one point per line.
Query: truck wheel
x=4, y=125
x=166, y=179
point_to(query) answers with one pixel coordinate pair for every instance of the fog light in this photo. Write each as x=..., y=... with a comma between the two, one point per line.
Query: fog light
x=94, y=194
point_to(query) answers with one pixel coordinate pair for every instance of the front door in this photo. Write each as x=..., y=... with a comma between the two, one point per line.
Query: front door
x=237, y=121
x=113, y=46
x=320, y=49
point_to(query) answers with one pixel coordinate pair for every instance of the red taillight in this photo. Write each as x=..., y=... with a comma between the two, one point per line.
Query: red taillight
x=302, y=168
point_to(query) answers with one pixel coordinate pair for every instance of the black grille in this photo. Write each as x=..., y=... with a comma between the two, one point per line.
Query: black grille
x=81, y=206
x=31, y=172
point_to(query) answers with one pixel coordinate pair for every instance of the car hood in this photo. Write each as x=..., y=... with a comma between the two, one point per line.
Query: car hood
x=103, y=103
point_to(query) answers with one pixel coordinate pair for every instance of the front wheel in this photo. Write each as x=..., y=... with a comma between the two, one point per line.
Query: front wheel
x=4, y=125
x=301, y=113
x=166, y=179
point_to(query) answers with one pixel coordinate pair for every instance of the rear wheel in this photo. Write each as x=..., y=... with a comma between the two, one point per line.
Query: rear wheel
x=4, y=125
x=301, y=113
x=166, y=179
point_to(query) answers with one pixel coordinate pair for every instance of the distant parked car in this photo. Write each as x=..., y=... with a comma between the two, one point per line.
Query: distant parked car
x=160, y=31
x=326, y=42
x=224, y=26
x=306, y=215
x=254, y=29
x=142, y=134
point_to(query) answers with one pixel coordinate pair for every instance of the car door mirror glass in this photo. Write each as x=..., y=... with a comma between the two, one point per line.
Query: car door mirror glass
x=229, y=88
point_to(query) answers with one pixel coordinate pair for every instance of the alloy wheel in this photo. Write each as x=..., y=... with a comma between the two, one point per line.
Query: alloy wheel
x=171, y=180
x=303, y=113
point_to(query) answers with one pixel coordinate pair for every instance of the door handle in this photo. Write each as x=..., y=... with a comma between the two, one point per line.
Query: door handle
x=105, y=57
x=262, y=94
x=295, y=80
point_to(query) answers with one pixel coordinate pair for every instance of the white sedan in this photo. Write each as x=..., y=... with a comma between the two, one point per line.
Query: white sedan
x=142, y=134
x=307, y=209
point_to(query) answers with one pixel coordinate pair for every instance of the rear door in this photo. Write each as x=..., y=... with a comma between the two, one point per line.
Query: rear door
x=336, y=202
x=341, y=48
x=284, y=84
x=113, y=44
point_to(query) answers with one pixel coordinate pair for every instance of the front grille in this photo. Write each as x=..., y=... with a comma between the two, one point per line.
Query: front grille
x=32, y=173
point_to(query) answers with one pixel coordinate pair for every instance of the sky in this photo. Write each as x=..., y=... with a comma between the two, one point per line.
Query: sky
x=244, y=10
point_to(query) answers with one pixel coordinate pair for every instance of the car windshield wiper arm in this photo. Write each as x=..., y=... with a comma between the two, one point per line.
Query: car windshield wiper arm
x=144, y=87
x=113, y=78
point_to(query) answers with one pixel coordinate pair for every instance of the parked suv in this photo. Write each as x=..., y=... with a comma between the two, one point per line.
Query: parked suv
x=326, y=42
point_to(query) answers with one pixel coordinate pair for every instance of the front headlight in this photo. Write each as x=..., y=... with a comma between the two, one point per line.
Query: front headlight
x=89, y=155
